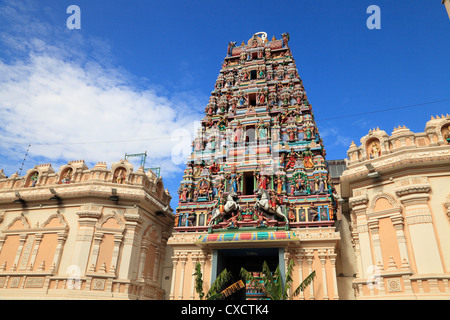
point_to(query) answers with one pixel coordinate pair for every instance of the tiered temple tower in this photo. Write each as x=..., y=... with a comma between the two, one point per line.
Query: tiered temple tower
x=257, y=180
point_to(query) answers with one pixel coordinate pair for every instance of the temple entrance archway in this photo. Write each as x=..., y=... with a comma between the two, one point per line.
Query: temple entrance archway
x=251, y=259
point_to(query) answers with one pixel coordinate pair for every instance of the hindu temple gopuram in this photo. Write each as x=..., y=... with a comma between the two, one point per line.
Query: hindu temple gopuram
x=257, y=181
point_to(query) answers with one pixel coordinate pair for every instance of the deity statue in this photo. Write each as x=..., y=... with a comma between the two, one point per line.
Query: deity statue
x=119, y=176
x=275, y=200
x=238, y=133
x=261, y=72
x=447, y=135
x=375, y=151
x=261, y=130
x=195, y=195
x=307, y=159
x=262, y=220
x=67, y=176
x=247, y=213
x=233, y=221
x=261, y=98
x=291, y=213
x=191, y=218
x=234, y=179
x=34, y=179
x=280, y=184
x=183, y=193
x=292, y=159
x=263, y=180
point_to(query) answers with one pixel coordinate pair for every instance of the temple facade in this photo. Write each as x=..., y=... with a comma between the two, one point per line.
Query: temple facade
x=81, y=233
x=397, y=212
x=257, y=186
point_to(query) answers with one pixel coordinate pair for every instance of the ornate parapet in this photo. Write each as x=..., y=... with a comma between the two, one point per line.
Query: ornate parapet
x=402, y=146
x=75, y=177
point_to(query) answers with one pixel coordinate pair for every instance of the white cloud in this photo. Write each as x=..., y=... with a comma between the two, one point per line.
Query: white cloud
x=68, y=105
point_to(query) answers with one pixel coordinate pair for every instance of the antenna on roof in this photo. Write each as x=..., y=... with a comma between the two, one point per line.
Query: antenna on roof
x=143, y=157
x=23, y=162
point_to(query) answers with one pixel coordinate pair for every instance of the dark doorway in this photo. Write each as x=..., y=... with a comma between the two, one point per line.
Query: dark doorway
x=250, y=135
x=249, y=184
x=250, y=259
x=252, y=99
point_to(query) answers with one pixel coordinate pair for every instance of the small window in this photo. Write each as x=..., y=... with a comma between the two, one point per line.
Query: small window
x=253, y=75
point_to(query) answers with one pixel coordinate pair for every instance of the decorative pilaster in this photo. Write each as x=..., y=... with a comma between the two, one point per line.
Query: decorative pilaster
x=142, y=258
x=131, y=250
x=37, y=243
x=194, y=262
x=174, y=274
x=299, y=255
x=374, y=229
x=322, y=257
x=183, y=259
x=309, y=260
x=87, y=218
x=115, y=255
x=398, y=223
x=419, y=220
x=156, y=264
x=58, y=251
x=333, y=270
x=22, y=239
x=95, y=251
x=359, y=209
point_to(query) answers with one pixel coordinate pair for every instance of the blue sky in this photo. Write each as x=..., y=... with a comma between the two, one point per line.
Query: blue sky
x=140, y=72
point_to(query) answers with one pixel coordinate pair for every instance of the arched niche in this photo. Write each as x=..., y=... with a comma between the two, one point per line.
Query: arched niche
x=32, y=179
x=120, y=175
x=445, y=132
x=373, y=148
x=381, y=202
x=66, y=175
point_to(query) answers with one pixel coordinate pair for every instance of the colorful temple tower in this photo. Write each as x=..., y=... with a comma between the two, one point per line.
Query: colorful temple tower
x=256, y=187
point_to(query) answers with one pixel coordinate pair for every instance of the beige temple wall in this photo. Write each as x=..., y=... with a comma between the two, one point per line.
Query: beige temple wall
x=85, y=246
x=398, y=200
x=315, y=250
x=446, y=3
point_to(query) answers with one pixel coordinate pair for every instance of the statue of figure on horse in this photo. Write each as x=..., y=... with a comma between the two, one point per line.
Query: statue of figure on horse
x=225, y=207
x=270, y=205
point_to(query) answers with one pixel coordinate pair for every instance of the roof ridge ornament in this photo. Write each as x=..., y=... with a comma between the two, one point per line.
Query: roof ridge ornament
x=263, y=35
